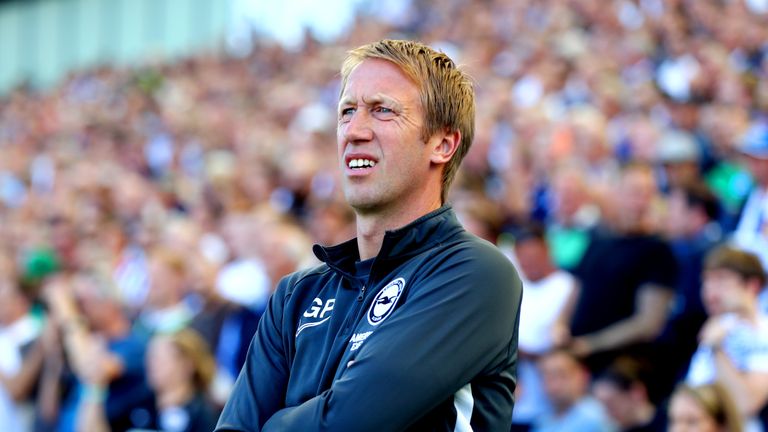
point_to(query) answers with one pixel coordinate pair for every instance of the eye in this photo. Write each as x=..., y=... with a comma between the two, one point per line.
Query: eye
x=346, y=114
x=383, y=113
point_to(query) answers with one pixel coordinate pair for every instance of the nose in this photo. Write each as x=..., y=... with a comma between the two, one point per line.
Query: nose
x=358, y=128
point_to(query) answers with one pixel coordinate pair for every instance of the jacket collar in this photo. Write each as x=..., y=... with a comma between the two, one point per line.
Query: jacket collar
x=400, y=244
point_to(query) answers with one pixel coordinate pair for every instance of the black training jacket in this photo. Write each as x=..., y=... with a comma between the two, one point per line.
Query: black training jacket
x=429, y=342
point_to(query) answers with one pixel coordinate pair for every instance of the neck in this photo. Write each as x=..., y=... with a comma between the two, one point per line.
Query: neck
x=177, y=395
x=371, y=226
x=749, y=312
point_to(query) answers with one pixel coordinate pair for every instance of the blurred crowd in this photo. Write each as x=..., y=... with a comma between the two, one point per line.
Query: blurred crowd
x=146, y=213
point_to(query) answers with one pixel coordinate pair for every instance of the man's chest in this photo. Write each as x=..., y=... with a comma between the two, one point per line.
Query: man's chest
x=330, y=329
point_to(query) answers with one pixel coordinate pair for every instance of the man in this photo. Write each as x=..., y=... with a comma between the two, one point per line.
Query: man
x=547, y=290
x=623, y=391
x=752, y=231
x=109, y=388
x=692, y=230
x=413, y=324
x=566, y=383
x=733, y=344
x=627, y=274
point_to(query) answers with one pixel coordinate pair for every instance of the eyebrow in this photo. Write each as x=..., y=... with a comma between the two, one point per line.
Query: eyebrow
x=376, y=99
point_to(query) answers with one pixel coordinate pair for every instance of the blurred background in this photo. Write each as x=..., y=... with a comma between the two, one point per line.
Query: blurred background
x=164, y=163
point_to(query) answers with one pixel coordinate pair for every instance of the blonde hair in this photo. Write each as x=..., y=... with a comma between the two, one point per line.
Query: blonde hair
x=716, y=402
x=447, y=94
x=194, y=348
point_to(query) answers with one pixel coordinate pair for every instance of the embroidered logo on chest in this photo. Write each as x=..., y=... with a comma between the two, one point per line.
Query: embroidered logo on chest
x=385, y=301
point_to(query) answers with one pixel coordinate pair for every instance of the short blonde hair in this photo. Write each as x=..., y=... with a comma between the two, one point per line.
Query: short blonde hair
x=447, y=94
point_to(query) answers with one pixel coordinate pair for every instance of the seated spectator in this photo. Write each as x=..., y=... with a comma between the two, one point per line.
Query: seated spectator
x=566, y=384
x=165, y=309
x=21, y=355
x=623, y=391
x=705, y=408
x=678, y=153
x=108, y=389
x=752, y=231
x=180, y=370
x=244, y=278
x=572, y=218
x=692, y=230
x=547, y=290
x=226, y=327
x=733, y=344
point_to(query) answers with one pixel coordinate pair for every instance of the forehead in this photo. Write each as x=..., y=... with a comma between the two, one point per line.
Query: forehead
x=377, y=78
x=721, y=274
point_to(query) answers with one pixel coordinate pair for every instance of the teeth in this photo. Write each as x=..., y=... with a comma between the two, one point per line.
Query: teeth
x=361, y=163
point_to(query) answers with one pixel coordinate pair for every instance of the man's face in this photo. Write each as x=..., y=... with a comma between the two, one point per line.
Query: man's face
x=724, y=291
x=619, y=403
x=637, y=191
x=565, y=382
x=384, y=160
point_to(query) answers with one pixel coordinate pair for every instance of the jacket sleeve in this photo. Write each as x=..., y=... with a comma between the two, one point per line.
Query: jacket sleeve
x=260, y=388
x=458, y=322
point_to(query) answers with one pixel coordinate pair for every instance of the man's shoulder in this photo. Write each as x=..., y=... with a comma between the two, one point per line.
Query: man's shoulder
x=468, y=255
x=310, y=276
x=477, y=250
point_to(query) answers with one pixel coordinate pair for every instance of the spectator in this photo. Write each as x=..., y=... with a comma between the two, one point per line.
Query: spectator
x=705, y=408
x=547, y=290
x=752, y=231
x=180, y=370
x=692, y=230
x=573, y=217
x=626, y=276
x=623, y=391
x=679, y=156
x=566, y=383
x=20, y=350
x=733, y=347
x=166, y=309
x=109, y=388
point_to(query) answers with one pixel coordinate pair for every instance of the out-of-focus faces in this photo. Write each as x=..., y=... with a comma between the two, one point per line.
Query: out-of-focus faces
x=618, y=403
x=565, y=380
x=687, y=415
x=724, y=291
x=166, y=367
x=636, y=193
x=533, y=258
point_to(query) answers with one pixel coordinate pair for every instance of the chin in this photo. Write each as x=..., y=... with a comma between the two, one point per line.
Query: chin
x=362, y=203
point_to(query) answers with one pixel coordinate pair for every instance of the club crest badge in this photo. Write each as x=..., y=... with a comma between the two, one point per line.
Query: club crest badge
x=385, y=301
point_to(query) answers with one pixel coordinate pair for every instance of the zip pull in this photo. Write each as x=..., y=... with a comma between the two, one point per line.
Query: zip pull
x=362, y=294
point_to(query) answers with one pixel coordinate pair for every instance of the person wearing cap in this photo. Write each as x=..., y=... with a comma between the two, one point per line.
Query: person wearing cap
x=752, y=230
x=679, y=155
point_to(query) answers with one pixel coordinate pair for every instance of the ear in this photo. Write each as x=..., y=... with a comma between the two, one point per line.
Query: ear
x=443, y=145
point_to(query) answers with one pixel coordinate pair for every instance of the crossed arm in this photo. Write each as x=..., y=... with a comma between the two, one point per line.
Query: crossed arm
x=448, y=331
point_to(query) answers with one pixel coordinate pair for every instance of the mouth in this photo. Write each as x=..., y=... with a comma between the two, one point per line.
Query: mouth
x=359, y=164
